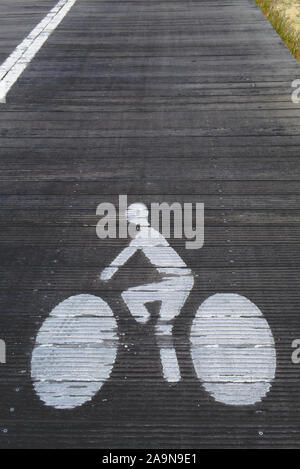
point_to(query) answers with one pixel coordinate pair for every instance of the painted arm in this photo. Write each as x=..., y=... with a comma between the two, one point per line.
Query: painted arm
x=120, y=260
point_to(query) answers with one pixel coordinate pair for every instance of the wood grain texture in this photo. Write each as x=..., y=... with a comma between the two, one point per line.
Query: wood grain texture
x=184, y=101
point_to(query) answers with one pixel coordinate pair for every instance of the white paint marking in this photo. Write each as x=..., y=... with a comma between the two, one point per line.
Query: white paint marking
x=16, y=63
x=172, y=291
x=75, y=351
x=240, y=370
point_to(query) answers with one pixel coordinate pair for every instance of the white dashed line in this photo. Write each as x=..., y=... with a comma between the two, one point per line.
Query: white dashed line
x=20, y=58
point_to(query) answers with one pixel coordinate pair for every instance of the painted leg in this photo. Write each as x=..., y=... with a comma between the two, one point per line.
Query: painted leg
x=173, y=300
x=165, y=343
x=172, y=292
x=135, y=301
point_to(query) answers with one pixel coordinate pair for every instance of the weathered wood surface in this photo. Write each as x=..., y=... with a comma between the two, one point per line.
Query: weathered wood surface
x=164, y=101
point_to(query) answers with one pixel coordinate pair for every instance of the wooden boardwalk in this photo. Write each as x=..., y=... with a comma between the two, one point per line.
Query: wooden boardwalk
x=175, y=101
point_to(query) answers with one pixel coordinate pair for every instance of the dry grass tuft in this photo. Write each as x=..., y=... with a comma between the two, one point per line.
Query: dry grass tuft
x=284, y=15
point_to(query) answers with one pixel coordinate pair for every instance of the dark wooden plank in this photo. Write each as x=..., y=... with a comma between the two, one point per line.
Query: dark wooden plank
x=175, y=101
x=17, y=19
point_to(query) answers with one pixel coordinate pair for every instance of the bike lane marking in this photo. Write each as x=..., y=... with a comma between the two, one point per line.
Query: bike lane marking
x=13, y=67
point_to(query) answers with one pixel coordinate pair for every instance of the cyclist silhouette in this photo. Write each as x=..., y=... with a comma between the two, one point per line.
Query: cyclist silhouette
x=234, y=363
x=172, y=291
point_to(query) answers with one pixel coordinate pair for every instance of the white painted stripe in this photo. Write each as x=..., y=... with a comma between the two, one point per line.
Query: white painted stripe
x=20, y=58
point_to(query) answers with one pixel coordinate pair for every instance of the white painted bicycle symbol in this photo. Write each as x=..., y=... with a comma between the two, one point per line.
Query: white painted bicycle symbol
x=232, y=346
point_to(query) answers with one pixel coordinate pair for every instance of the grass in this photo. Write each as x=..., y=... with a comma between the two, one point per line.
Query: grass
x=284, y=15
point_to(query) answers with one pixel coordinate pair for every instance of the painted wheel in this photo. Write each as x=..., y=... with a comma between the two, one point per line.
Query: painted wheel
x=75, y=351
x=233, y=349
